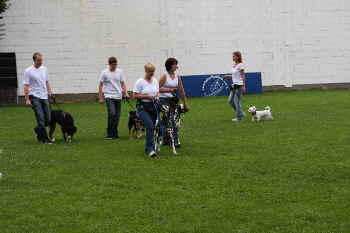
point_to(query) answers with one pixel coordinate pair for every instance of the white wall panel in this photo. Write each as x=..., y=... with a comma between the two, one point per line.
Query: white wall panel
x=291, y=42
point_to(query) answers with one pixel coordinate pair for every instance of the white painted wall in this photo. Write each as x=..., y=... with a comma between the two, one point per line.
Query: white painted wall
x=290, y=41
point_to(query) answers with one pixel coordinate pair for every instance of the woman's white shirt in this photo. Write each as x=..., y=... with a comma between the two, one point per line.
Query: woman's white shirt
x=236, y=74
x=144, y=87
x=170, y=83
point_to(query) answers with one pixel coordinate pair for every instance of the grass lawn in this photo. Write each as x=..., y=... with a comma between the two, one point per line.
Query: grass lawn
x=290, y=175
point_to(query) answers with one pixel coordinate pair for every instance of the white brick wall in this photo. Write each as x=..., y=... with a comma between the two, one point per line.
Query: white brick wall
x=290, y=41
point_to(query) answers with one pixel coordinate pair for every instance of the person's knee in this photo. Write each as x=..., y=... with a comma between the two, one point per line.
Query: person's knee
x=112, y=114
x=149, y=127
x=47, y=120
x=42, y=123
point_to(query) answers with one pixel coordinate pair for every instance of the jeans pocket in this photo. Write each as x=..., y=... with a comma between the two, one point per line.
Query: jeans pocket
x=34, y=100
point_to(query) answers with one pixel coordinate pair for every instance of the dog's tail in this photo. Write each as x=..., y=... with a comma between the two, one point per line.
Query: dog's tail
x=267, y=108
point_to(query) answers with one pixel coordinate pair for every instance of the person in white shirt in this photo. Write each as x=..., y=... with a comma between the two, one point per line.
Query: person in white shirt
x=37, y=89
x=169, y=84
x=146, y=91
x=238, y=85
x=112, y=89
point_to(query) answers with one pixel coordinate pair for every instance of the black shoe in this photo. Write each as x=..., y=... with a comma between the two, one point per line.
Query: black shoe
x=178, y=146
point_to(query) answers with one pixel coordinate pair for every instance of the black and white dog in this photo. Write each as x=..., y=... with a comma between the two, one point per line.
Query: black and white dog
x=171, y=118
x=66, y=121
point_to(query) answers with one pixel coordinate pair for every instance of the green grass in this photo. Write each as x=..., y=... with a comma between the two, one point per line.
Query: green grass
x=290, y=175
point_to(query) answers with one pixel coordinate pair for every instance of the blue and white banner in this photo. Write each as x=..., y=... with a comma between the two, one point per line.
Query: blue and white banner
x=215, y=85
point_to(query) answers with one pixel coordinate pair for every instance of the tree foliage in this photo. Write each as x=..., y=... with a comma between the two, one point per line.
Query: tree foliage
x=4, y=4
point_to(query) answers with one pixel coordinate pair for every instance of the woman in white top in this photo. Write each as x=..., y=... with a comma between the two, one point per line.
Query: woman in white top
x=146, y=91
x=169, y=84
x=238, y=85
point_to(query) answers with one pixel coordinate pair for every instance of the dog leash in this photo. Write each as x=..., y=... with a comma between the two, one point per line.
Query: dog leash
x=128, y=102
x=53, y=97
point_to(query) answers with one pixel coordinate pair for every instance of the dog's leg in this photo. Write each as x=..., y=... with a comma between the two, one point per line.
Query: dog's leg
x=172, y=141
x=130, y=129
x=136, y=133
x=142, y=131
x=139, y=133
x=64, y=134
x=52, y=131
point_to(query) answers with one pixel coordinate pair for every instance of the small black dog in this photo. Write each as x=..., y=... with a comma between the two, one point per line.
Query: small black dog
x=136, y=128
x=66, y=121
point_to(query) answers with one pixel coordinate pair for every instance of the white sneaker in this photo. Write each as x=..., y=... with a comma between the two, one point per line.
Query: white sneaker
x=152, y=154
x=235, y=120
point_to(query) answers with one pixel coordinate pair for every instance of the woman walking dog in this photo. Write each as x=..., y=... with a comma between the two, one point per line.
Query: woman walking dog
x=169, y=84
x=238, y=85
x=146, y=91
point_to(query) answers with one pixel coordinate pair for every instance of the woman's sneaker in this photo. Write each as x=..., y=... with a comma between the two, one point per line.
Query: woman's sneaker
x=152, y=154
x=111, y=138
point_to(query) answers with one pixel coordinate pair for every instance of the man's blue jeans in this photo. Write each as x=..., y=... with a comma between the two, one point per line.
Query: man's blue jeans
x=113, y=109
x=42, y=111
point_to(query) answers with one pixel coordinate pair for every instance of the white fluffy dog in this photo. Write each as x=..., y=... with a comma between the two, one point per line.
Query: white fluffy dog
x=258, y=115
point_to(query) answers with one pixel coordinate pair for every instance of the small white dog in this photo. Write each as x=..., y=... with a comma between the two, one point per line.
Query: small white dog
x=258, y=115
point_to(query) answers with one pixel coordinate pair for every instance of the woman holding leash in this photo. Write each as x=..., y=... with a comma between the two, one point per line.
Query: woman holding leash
x=169, y=84
x=146, y=91
x=238, y=85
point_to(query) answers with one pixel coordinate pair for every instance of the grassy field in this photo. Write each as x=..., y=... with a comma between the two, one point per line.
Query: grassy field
x=290, y=175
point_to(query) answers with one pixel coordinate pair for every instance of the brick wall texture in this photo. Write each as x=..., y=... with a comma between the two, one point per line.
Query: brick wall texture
x=292, y=42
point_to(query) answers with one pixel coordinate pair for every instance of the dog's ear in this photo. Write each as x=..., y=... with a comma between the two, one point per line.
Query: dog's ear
x=72, y=130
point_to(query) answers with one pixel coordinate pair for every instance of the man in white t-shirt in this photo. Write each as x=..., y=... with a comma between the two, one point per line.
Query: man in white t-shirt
x=112, y=89
x=36, y=92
